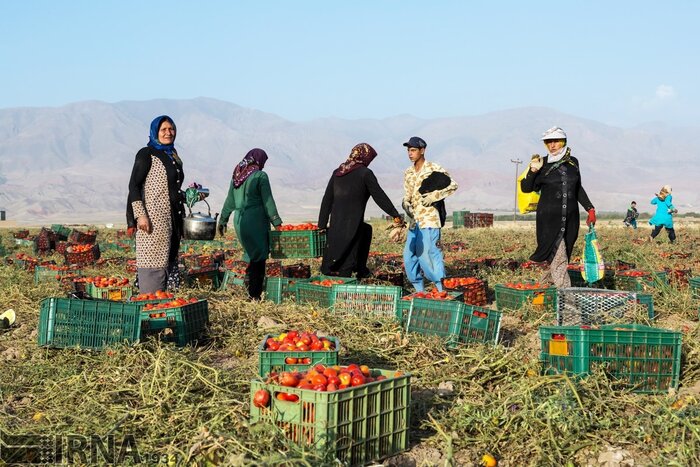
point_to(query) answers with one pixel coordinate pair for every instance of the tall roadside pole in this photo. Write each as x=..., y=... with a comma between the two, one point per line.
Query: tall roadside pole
x=517, y=163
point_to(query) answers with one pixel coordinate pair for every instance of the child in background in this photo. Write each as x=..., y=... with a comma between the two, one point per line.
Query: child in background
x=632, y=215
x=664, y=214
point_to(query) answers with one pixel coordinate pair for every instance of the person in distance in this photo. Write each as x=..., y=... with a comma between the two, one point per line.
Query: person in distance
x=557, y=178
x=250, y=196
x=156, y=207
x=663, y=218
x=631, y=216
x=344, y=203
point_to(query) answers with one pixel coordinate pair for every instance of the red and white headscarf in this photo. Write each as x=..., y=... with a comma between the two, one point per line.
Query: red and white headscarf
x=360, y=156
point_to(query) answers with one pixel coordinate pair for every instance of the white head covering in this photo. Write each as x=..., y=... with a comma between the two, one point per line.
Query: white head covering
x=553, y=133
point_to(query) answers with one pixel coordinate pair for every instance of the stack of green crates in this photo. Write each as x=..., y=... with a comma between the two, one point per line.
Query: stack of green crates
x=642, y=358
x=458, y=218
x=358, y=425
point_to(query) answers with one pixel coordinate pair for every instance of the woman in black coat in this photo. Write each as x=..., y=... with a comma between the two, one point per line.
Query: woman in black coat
x=558, y=179
x=349, y=237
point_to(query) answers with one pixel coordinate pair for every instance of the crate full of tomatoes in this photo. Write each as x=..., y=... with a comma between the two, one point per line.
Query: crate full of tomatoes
x=360, y=415
x=516, y=295
x=295, y=351
x=109, y=288
x=320, y=289
x=297, y=241
x=179, y=320
x=82, y=254
x=472, y=288
x=640, y=358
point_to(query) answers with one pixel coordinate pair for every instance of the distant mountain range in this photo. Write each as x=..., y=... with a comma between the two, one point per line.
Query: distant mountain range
x=72, y=163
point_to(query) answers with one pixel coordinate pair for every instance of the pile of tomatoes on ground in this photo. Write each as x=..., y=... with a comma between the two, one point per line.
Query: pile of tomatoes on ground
x=525, y=285
x=318, y=378
x=158, y=295
x=298, y=341
x=327, y=282
x=433, y=294
x=633, y=273
x=306, y=226
x=459, y=282
x=102, y=281
x=176, y=303
x=79, y=248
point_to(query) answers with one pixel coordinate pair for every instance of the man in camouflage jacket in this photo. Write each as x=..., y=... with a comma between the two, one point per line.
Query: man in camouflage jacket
x=421, y=255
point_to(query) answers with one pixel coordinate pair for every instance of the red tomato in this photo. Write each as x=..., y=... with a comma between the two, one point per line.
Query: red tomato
x=261, y=398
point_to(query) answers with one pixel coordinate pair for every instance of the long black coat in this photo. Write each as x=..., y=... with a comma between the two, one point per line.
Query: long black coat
x=557, y=211
x=344, y=202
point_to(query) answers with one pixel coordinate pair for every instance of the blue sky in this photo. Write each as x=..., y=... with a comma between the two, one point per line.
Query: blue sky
x=618, y=62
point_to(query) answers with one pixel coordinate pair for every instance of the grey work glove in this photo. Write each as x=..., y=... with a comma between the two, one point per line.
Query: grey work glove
x=428, y=199
x=536, y=163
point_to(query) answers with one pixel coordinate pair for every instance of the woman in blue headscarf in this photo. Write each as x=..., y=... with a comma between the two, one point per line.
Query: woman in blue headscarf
x=155, y=206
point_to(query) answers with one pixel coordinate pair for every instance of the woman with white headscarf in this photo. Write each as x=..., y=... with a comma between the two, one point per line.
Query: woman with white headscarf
x=557, y=178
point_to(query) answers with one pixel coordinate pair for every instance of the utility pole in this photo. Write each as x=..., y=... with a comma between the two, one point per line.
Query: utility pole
x=517, y=163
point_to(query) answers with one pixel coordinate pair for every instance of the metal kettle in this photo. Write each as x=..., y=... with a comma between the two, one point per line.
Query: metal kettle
x=198, y=226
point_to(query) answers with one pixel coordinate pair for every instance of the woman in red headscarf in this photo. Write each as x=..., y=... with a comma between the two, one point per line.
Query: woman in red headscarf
x=344, y=202
x=251, y=197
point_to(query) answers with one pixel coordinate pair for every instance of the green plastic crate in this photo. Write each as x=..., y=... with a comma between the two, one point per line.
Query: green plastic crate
x=297, y=243
x=117, y=294
x=89, y=324
x=649, y=281
x=61, y=230
x=647, y=299
x=366, y=300
x=405, y=305
x=694, y=283
x=232, y=278
x=277, y=289
x=319, y=294
x=642, y=358
x=274, y=360
x=24, y=242
x=46, y=274
x=185, y=324
x=357, y=425
x=508, y=298
x=453, y=321
x=205, y=278
x=458, y=219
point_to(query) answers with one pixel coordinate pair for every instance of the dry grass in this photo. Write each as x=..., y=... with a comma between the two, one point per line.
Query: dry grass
x=191, y=404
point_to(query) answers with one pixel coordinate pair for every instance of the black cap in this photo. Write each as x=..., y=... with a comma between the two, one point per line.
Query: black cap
x=415, y=142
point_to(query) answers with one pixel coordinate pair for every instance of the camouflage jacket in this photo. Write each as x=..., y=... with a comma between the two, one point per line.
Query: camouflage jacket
x=417, y=206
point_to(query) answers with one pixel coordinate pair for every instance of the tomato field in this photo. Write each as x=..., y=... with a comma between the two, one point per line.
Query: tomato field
x=470, y=404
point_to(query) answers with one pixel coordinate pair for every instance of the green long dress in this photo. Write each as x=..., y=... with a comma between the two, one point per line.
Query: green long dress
x=255, y=211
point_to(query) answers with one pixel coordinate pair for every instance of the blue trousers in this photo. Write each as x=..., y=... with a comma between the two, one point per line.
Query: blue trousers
x=422, y=257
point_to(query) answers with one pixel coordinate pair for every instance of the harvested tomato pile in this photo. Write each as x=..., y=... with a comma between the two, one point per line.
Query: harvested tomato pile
x=524, y=285
x=177, y=303
x=327, y=282
x=159, y=294
x=324, y=378
x=301, y=341
x=306, y=226
x=456, y=282
x=633, y=273
x=434, y=294
x=102, y=281
x=80, y=248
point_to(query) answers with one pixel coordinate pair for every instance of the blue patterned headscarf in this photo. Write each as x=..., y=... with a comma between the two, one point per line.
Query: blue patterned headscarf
x=153, y=139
